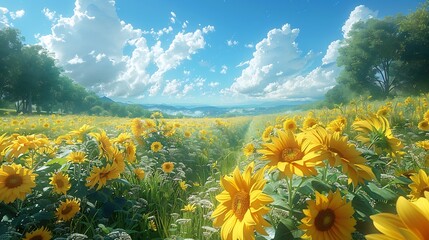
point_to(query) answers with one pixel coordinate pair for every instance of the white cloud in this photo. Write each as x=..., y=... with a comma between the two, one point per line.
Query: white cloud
x=332, y=52
x=185, y=24
x=277, y=52
x=49, y=14
x=17, y=14
x=90, y=45
x=249, y=45
x=213, y=84
x=199, y=82
x=172, y=87
x=4, y=21
x=231, y=42
x=360, y=13
x=224, y=69
x=276, y=69
x=208, y=29
x=75, y=60
x=187, y=88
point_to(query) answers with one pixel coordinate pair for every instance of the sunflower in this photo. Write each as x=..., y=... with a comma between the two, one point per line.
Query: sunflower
x=104, y=144
x=293, y=154
x=242, y=205
x=139, y=173
x=423, y=144
x=376, y=132
x=249, y=149
x=156, y=146
x=328, y=218
x=309, y=122
x=183, y=185
x=383, y=111
x=15, y=182
x=100, y=176
x=130, y=152
x=68, y=209
x=167, y=167
x=189, y=208
x=290, y=125
x=266, y=135
x=76, y=157
x=137, y=127
x=341, y=153
x=39, y=234
x=420, y=185
x=187, y=134
x=426, y=114
x=410, y=223
x=423, y=125
x=336, y=125
x=60, y=182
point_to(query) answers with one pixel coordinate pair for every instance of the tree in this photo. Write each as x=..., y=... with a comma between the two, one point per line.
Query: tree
x=371, y=57
x=10, y=51
x=38, y=76
x=414, y=30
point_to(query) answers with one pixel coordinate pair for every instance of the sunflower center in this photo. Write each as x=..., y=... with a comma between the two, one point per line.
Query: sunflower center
x=291, y=154
x=67, y=209
x=422, y=192
x=37, y=237
x=240, y=204
x=13, y=181
x=325, y=219
x=59, y=183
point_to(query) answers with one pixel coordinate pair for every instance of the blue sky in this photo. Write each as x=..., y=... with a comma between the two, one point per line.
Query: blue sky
x=197, y=52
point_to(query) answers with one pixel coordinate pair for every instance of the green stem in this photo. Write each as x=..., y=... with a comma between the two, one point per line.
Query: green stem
x=290, y=194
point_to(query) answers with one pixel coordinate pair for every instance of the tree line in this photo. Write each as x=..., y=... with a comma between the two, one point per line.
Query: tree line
x=30, y=80
x=384, y=58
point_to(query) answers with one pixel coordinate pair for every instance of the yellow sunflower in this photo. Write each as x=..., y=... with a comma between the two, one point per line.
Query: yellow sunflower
x=139, y=173
x=167, y=167
x=376, y=132
x=290, y=125
x=189, y=208
x=60, y=182
x=410, y=223
x=15, y=182
x=336, y=125
x=76, y=157
x=39, y=234
x=156, y=146
x=130, y=152
x=242, y=205
x=293, y=154
x=68, y=209
x=100, y=176
x=266, y=135
x=420, y=185
x=423, y=125
x=104, y=144
x=309, y=122
x=249, y=149
x=137, y=127
x=328, y=218
x=423, y=144
x=341, y=153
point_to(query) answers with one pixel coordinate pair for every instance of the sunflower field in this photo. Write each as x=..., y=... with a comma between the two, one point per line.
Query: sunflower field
x=357, y=171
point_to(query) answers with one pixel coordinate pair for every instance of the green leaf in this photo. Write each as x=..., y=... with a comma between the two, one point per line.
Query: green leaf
x=378, y=193
x=43, y=216
x=320, y=186
x=60, y=161
x=362, y=207
x=283, y=232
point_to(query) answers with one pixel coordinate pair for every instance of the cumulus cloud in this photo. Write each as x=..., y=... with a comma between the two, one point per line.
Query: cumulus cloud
x=4, y=21
x=48, y=13
x=17, y=14
x=249, y=45
x=213, y=84
x=231, y=42
x=277, y=69
x=90, y=46
x=360, y=13
x=223, y=69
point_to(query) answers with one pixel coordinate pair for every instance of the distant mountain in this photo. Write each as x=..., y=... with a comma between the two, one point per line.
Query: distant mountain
x=218, y=111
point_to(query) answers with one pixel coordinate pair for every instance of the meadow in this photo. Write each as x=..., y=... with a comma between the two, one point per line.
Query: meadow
x=353, y=172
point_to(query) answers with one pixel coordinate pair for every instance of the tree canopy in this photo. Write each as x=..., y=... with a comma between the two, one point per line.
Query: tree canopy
x=385, y=57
